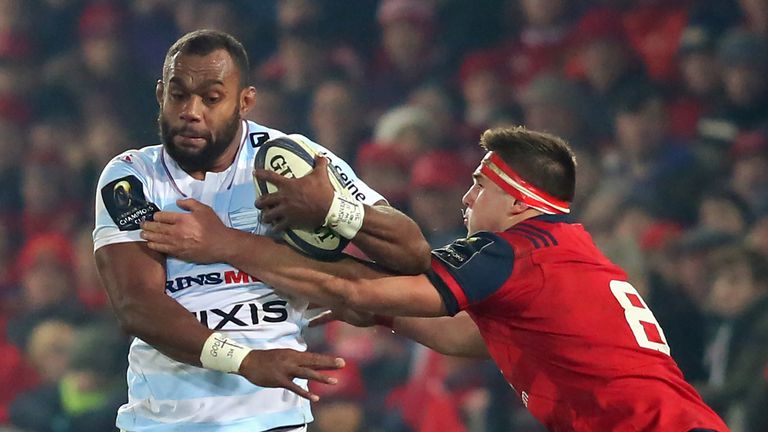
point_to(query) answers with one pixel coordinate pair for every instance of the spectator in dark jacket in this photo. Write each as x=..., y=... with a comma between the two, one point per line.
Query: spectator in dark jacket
x=737, y=350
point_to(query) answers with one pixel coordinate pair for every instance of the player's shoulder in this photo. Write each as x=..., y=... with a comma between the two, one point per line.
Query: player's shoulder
x=140, y=160
x=543, y=232
x=142, y=165
x=257, y=134
x=254, y=127
x=526, y=240
x=483, y=243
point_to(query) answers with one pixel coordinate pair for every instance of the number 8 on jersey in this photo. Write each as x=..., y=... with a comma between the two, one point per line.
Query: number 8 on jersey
x=643, y=324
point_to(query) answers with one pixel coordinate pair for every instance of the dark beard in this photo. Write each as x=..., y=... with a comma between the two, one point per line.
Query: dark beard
x=204, y=159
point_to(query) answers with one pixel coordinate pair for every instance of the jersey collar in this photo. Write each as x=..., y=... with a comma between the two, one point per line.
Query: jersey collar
x=553, y=218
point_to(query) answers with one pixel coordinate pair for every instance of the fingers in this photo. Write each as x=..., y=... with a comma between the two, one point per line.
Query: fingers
x=158, y=237
x=321, y=361
x=292, y=386
x=321, y=163
x=272, y=211
x=166, y=217
x=306, y=366
x=193, y=205
x=271, y=215
x=190, y=204
x=320, y=171
x=155, y=227
x=280, y=225
x=268, y=200
x=154, y=236
x=323, y=318
x=279, y=367
x=269, y=176
x=313, y=375
x=274, y=216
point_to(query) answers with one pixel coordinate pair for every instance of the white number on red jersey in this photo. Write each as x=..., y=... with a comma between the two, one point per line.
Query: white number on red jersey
x=646, y=329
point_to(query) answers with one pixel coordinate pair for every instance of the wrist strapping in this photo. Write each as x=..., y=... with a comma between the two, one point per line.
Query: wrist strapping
x=222, y=354
x=345, y=215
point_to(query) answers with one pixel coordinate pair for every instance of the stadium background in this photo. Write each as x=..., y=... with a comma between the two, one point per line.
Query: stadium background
x=665, y=102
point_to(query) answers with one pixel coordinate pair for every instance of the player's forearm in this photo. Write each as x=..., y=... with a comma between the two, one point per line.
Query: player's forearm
x=280, y=266
x=141, y=306
x=393, y=240
x=165, y=325
x=348, y=283
x=455, y=336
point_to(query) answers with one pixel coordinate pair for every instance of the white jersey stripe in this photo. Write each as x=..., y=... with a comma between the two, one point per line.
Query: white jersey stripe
x=274, y=420
x=154, y=362
x=190, y=385
x=227, y=409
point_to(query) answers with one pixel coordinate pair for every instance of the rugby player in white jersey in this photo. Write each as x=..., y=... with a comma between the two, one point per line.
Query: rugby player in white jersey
x=215, y=349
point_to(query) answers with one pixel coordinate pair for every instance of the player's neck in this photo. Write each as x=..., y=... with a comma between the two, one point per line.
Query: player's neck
x=522, y=216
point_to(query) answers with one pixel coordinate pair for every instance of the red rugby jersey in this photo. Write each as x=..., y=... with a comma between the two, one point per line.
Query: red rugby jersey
x=570, y=334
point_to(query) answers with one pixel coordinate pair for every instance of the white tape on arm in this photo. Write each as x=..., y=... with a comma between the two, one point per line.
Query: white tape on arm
x=345, y=215
x=222, y=354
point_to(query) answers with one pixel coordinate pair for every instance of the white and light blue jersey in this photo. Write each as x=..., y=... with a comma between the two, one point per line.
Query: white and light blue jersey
x=163, y=394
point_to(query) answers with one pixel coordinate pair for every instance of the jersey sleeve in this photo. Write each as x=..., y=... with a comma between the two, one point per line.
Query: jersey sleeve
x=470, y=270
x=361, y=191
x=122, y=203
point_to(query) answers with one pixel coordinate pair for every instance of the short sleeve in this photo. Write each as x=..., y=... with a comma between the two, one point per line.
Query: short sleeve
x=121, y=204
x=361, y=191
x=470, y=270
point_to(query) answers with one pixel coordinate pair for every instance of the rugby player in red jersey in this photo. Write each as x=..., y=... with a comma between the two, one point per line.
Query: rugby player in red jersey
x=567, y=329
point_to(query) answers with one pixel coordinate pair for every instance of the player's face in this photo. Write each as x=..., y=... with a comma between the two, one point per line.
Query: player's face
x=199, y=109
x=487, y=205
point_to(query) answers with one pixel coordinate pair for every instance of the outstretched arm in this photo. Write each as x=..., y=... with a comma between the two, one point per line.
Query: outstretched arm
x=200, y=236
x=455, y=336
x=349, y=282
x=393, y=240
x=387, y=235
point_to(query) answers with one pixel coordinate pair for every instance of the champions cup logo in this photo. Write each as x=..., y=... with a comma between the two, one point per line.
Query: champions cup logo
x=126, y=203
x=122, y=194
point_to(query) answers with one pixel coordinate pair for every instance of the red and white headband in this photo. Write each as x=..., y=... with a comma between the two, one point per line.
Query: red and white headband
x=510, y=181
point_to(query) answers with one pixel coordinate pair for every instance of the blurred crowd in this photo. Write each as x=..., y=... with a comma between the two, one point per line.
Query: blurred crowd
x=664, y=101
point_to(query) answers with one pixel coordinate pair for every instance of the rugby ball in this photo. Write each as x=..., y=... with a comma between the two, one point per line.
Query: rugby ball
x=292, y=156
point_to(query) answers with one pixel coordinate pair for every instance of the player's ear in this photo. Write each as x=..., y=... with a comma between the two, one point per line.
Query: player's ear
x=159, y=92
x=516, y=207
x=247, y=99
